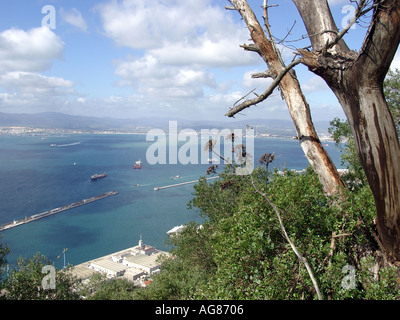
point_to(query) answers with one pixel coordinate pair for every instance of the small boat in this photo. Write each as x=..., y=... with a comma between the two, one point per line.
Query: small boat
x=138, y=165
x=175, y=230
x=98, y=176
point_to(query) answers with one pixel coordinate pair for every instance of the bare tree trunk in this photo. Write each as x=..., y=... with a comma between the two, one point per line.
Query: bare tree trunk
x=379, y=151
x=298, y=107
x=357, y=81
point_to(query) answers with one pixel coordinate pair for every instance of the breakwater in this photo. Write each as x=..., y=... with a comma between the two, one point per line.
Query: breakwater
x=45, y=214
x=181, y=184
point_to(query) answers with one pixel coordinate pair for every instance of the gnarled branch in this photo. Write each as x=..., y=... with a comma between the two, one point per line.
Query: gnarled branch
x=298, y=254
x=357, y=15
x=264, y=74
x=290, y=89
x=248, y=103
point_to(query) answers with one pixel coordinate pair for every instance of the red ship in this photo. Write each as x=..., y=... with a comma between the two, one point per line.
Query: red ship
x=138, y=165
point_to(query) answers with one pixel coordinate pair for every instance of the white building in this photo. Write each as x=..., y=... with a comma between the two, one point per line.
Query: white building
x=132, y=263
x=147, y=263
x=142, y=248
x=132, y=274
x=109, y=267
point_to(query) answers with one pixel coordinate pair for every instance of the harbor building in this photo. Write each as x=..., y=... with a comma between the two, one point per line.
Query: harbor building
x=132, y=264
x=147, y=263
x=142, y=248
x=110, y=268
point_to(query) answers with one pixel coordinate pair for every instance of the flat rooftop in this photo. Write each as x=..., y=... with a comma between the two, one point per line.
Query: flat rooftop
x=145, y=260
x=109, y=265
x=84, y=271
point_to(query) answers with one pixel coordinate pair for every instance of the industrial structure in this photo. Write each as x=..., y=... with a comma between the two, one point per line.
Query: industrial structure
x=135, y=264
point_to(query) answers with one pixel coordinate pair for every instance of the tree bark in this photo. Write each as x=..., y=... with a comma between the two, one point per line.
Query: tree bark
x=298, y=107
x=357, y=81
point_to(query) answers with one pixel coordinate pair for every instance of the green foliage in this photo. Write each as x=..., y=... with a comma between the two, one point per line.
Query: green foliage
x=4, y=250
x=25, y=282
x=101, y=288
x=240, y=253
x=176, y=281
x=391, y=89
x=341, y=133
x=194, y=246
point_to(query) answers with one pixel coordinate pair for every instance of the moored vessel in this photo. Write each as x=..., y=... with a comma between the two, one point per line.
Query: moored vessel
x=98, y=176
x=138, y=165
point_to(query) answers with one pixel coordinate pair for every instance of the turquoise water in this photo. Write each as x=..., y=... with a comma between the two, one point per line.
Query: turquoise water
x=37, y=177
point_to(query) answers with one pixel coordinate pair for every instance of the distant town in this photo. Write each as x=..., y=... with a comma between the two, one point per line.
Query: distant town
x=28, y=131
x=48, y=132
x=58, y=124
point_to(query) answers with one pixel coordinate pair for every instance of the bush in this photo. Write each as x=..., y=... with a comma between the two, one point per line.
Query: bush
x=241, y=253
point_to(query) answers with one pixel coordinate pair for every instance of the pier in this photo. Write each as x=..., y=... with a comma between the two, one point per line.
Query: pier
x=181, y=184
x=48, y=213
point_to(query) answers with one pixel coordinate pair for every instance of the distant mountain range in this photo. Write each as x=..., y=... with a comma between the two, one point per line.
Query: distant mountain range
x=52, y=120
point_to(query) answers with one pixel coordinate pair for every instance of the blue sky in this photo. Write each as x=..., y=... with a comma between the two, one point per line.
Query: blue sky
x=141, y=58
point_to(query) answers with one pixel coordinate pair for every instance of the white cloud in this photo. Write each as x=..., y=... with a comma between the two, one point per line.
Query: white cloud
x=261, y=84
x=34, y=83
x=151, y=78
x=205, y=52
x=31, y=50
x=177, y=32
x=144, y=68
x=143, y=24
x=315, y=83
x=23, y=55
x=73, y=17
x=180, y=48
x=33, y=91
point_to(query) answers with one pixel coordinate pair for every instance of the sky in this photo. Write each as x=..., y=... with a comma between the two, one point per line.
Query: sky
x=128, y=59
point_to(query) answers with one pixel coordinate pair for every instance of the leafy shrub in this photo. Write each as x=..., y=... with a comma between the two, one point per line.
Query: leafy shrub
x=241, y=252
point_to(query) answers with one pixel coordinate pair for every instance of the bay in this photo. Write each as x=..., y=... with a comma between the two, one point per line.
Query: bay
x=37, y=177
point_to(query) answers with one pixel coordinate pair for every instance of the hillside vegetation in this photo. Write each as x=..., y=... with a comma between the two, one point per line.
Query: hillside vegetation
x=240, y=252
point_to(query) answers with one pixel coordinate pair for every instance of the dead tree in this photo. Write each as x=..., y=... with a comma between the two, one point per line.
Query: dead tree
x=357, y=81
x=286, y=79
x=356, y=78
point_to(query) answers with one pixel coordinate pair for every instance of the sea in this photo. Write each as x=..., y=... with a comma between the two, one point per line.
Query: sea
x=36, y=177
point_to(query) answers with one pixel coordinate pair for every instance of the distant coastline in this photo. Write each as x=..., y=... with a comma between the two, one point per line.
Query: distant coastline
x=46, y=132
x=60, y=124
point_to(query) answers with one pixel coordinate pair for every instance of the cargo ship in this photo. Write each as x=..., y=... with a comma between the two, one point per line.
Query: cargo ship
x=98, y=176
x=138, y=165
